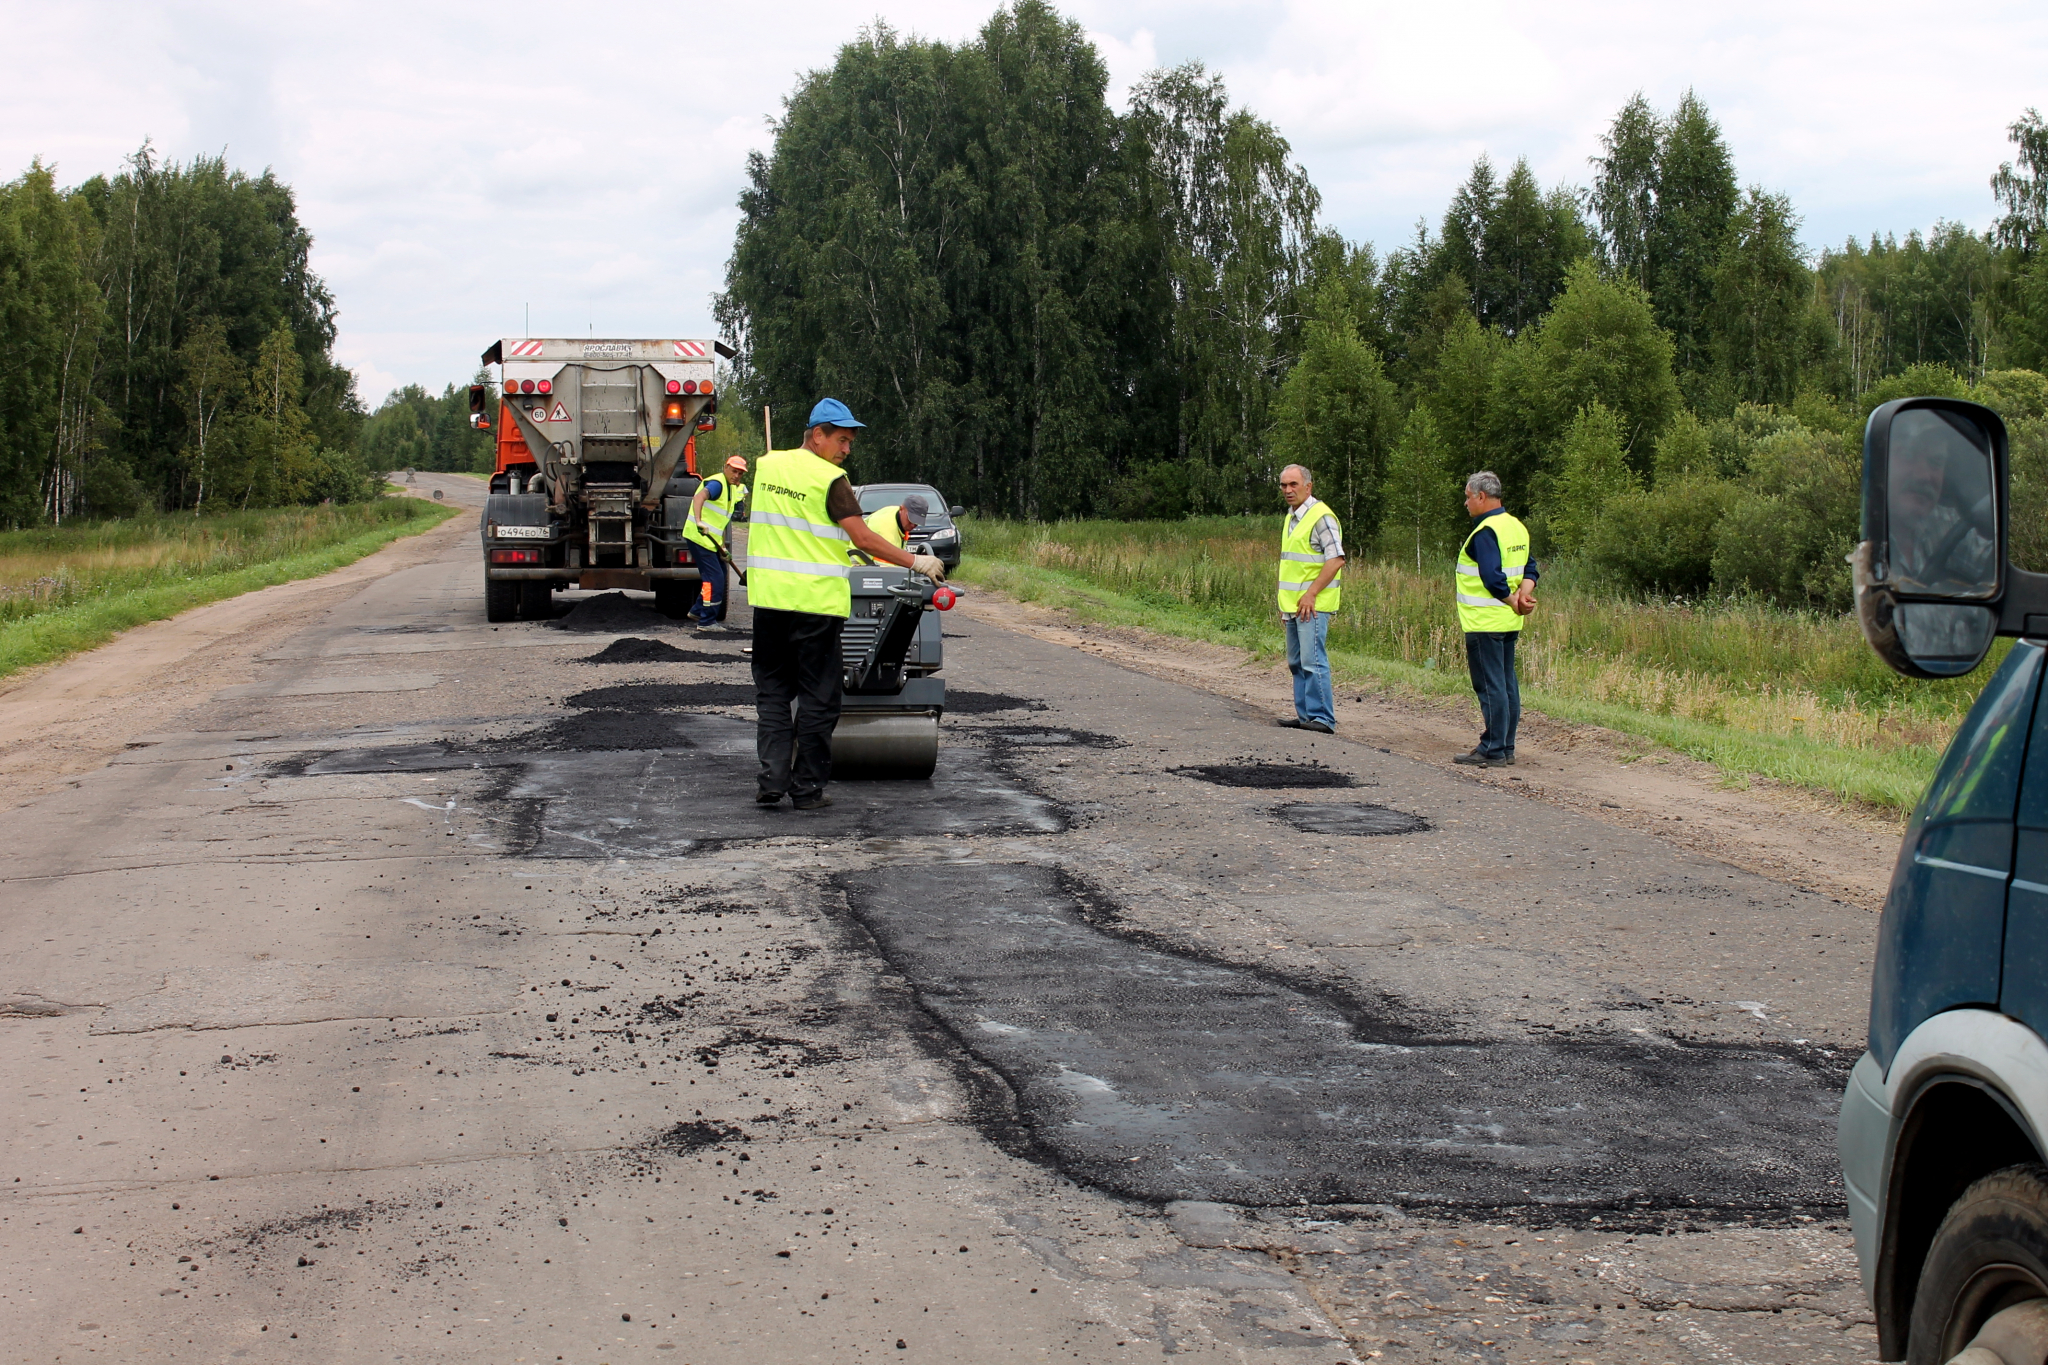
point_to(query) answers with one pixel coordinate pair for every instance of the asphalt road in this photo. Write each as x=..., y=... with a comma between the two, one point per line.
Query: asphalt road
x=439, y=994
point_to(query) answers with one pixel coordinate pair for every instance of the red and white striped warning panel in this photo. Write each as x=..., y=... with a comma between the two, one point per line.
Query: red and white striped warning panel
x=531, y=347
x=693, y=349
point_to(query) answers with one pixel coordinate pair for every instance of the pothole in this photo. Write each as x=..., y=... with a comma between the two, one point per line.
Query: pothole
x=961, y=702
x=1269, y=775
x=404, y=630
x=1042, y=735
x=1363, y=818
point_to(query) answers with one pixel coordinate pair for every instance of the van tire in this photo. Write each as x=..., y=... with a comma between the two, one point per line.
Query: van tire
x=1989, y=1254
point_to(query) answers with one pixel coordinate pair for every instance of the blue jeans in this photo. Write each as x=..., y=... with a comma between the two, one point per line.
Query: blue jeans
x=1308, y=659
x=711, y=569
x=1490, y=657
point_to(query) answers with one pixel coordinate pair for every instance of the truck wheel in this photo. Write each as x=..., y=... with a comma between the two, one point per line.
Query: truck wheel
x=1989, y=1256
x=673, y=598
x=501, y=600
x=536, y=600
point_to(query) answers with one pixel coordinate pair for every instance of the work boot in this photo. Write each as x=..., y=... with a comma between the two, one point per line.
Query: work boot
x=1290, y=723
x=815, y=801
x=1475, y=759
x=767, y=798
x=1316, y=726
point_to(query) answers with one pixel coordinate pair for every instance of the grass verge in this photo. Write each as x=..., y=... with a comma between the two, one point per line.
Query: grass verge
x=1876, y=750
x=133, y=575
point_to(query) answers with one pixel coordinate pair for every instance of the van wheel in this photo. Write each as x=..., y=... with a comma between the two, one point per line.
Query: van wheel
x=1984, y=1288
x=501, y=600
x=537, y=600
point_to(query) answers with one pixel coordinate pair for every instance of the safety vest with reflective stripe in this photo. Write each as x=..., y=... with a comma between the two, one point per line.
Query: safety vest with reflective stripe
x=884, y=523
x=707, y=528
x=1300, y=564
x=1478, y=609
x=796, y=556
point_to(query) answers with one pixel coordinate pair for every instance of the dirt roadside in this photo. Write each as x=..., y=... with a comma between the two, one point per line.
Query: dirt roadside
x=1788, y=834
x=69, y=717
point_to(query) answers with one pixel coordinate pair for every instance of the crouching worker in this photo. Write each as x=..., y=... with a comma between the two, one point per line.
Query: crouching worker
x=1311, y=589
x=805, y=515
x=706, y=532
x=896, y=522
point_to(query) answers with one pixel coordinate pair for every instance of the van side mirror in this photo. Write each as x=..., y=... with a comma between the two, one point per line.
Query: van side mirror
x=1933, y=587
x=479, y=398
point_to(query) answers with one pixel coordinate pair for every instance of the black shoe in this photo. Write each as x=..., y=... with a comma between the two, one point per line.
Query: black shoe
x=767, y=798
x=815, y=801
x=1318, y=727
x=1290, y=723
x=1475, y=759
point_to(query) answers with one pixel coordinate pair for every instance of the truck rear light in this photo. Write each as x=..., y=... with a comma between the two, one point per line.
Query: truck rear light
x=526, y=386
x=515, y=556
x=672, y=413
x=544, y=386
x=704, y=387
x=689, y=386
x=675, y=386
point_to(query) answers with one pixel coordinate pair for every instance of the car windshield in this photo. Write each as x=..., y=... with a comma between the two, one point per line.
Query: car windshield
x=874, y=497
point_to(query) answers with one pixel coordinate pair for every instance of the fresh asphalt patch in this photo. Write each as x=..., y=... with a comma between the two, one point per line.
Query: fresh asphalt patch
x=1161, y=1075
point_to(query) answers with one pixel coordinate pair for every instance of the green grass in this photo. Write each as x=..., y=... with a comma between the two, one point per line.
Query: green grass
x=66, y=589
x=1757, y=691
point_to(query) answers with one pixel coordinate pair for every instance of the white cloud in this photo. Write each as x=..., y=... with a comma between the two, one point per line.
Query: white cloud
x=458, y=164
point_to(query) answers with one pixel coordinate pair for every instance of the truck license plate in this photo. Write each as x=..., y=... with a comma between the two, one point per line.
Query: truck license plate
x=519, y=532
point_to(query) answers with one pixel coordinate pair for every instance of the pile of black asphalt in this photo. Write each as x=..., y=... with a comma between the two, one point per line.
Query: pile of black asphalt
x=611, y=613
x=1162, y=1075
x=632, y=649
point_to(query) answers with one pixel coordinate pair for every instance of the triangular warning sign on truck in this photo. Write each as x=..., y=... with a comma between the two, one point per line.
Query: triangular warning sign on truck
x=560, y=413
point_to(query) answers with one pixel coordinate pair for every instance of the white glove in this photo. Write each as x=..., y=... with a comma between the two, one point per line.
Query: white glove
x=930, y=566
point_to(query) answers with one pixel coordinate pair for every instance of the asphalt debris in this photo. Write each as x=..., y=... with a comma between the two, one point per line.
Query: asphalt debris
x=611, y=613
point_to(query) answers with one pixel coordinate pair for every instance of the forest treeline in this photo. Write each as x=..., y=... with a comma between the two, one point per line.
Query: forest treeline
x=165, y=345
x=1052, y=308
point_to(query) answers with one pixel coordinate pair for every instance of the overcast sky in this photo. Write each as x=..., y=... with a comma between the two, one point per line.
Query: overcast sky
x=457, y=164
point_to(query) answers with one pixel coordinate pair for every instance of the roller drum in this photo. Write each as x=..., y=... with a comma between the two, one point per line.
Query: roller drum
x=885, y=745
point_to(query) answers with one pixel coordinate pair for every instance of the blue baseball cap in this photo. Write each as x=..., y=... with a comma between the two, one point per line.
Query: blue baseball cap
x=832, y=412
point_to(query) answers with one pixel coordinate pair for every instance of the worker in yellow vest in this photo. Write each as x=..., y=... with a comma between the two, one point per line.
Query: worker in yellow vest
x=1496, y=591
x=895, y=522
x=1311, y=589
x=705, y=532
x=804, y=516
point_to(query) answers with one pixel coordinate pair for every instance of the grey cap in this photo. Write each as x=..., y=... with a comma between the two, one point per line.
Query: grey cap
x=916, y=508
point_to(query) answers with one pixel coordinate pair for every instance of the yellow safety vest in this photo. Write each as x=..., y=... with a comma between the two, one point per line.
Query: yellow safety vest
x=1299, y=562
x=796, y=555
x=716, y=514
x=884, y=524
x=1478, y=609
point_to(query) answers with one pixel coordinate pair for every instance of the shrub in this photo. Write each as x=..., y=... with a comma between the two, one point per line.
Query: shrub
x=1661, y=540
x=1788, y=534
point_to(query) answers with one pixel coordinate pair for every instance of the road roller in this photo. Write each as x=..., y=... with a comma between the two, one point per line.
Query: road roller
x=892, y=648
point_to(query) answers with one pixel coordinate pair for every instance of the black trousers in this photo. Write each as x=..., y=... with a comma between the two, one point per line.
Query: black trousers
x=798, y=681
x=1490, y=658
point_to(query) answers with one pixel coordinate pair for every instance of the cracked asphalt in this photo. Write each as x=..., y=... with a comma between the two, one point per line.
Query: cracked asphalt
x=433, y=991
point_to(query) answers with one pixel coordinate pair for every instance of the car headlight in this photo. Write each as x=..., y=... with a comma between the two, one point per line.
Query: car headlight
x=948, y=534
